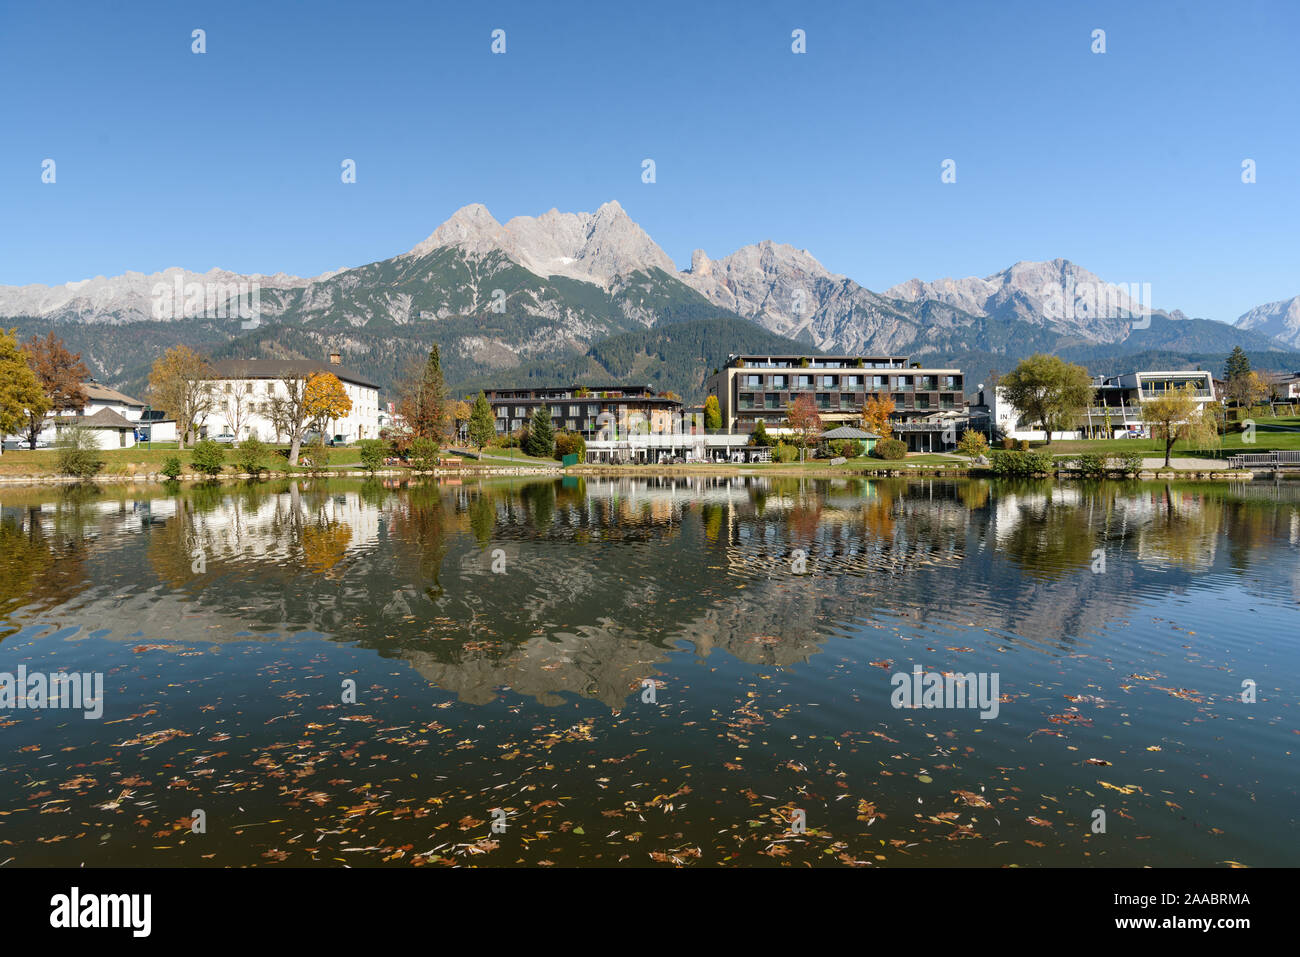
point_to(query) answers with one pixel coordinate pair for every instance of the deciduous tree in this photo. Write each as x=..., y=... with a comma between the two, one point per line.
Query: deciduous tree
x=1177, y=415
x=20, y=389
x=180, y=383
x=1048, y=391
x=806, y=421
x=875, y=415
x=325, y=399
x=61, y=374
x=712, y=413
x=422, y=399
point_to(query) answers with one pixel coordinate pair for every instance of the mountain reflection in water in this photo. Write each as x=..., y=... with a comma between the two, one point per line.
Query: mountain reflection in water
x=505, y=635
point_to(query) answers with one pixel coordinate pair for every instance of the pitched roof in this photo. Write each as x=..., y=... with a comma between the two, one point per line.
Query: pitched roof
x=848, y=432
x=277, y=368
x=103, y=419
x=95, y=392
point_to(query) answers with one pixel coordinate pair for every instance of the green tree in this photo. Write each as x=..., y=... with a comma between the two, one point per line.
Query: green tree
x=372, y=453
x=712, y=413
x=1048, y=391
x=570, y=443
x=1237, y=364
x=208, y=457
x=424, y=454
x=482, y=427
x=1177, y=415
x=541, y=434
x=250, y=457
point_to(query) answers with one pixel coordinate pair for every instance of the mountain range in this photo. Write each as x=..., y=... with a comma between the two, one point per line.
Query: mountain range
x=590, y=296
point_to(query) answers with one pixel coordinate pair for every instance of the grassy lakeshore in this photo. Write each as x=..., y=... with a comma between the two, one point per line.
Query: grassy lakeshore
x=142, y=461
x=1282, y=434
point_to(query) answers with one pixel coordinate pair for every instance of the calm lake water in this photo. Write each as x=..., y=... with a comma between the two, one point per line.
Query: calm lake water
x=634, y=671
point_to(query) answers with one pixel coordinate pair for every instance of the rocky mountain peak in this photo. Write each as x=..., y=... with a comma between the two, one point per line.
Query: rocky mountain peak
x=594, y=247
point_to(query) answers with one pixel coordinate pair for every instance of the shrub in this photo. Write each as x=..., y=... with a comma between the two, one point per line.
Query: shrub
x=78, y=453
x=424, y=455
x=890, y=449
x=784, y=453
x=759, y=437
x=1022, y=445
x=251, y=456
x=372, y=453
x=1130, y=463
x=570, y=443
x=1093, y=465
x=849, y=448
x=1021, y=464
x=1008, y=442
x=171, y=467
x=208, y=457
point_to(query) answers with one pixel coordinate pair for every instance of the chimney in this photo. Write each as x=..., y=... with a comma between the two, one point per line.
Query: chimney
x=335, y=358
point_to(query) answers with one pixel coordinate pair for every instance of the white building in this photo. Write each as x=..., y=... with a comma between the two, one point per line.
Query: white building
x=1115, y=411
x=116, y=420
x=245, y=388
x=1285, y=385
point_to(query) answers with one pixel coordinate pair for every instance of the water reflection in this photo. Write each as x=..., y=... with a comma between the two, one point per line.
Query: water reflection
x=585, y=586
x=502, y=634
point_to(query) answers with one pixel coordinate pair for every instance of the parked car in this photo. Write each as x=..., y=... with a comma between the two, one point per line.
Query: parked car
x=225, y=438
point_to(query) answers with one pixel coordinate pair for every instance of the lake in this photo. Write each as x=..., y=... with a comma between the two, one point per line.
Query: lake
x=697, y=672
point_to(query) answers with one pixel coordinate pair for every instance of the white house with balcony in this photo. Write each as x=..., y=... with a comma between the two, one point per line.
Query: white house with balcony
x=1115, y=411
x=244, y=390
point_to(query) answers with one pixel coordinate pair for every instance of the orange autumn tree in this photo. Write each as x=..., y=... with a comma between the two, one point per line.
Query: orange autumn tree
x=805, y=421
x=876, y=413
x=325, y=398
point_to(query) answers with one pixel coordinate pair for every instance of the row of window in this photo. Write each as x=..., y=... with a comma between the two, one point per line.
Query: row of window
x=881, y=363
x=774, y=401
x=570, y=425
x=873, y=383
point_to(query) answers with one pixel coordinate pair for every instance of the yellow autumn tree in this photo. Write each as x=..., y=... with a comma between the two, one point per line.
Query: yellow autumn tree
x=325, y=399
x=876, y=413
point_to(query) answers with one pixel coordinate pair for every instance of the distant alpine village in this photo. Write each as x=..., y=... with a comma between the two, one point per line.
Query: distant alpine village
x=759, y=408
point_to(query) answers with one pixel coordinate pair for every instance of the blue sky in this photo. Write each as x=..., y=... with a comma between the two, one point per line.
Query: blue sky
x=1127, y=162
